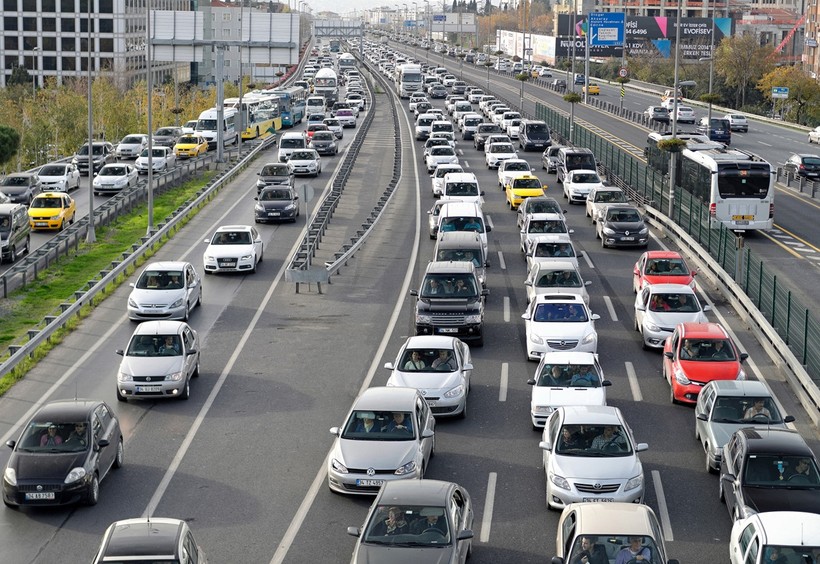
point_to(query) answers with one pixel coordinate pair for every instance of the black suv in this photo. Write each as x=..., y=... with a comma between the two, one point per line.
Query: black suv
x=718, y=129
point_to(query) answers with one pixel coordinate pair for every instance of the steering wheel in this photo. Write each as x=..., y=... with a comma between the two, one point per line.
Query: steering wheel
x=434, y=530
x=761, y=417
x=798, y=479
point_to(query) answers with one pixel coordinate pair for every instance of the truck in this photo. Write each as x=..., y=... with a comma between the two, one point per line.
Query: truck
x=409, y=79
x=335, y=45
x=326, y=84
x=346, y=62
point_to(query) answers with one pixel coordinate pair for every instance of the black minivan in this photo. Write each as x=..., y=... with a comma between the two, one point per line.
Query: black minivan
x=718, y=129
x=533, y=134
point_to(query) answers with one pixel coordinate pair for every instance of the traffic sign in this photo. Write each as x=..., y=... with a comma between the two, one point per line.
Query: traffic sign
x=606, y=29
x=623, y=73
x=780, y=92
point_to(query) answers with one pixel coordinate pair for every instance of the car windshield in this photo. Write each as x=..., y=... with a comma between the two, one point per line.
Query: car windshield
x=707, y=350
x=666, y=267
x=156, y=153
x=442, y=170
x=559, y=279
x=745, y=410
x=542, y=206
x=291, y=143
x=428, y=360
x=517, y=166
x=608, y=547
x=569, y=376
x=188, y=141
x=231, y=238
x=47, y=203
x=462, y=189
x=302, y=156
x=15, y=181
x=443, y=151
x=160, y=280
x=609, y=196
x=462, y=224
x=593, y=440
x=275, y=170
x=623, y=216
x=112, y=171
x=449, y=285
x=154, y=345
x=164, y=132
x=585, y=178
x=379, y=426
x=408, y=526
x=323, y=136
x=53, y=170
x=547, y=226
x=559, y=313
x=132, y=140
x=501, y=148
x=781, y=471
x=526, y=183
x=275, y=195
x=460, y=255
x=55, y=436
x=331, y=122
x=674, y=303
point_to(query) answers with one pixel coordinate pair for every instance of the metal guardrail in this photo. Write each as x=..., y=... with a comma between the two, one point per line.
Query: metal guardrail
x=84, y=296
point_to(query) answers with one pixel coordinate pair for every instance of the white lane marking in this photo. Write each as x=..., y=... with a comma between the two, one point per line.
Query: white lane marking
x=505, y=377
x=466, y=164
x=301, y=514
x=489, y=502
x=762, y=143
x=662, y=507
x=489, y=221
x=610, y=308
x=506, y=302
x=588, y=260
x=633, y=381
x=501, y=262
x=461, y=152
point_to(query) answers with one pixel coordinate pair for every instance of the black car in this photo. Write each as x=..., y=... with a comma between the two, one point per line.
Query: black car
x=149, y=540
x=324, y=142
x=21, y=187
x=274, y=174
x=62, y=455
x=276, y=203
x=807, y=166
x=559, y=84
x=167, y=136
x=437, y=91
x=485, y=130
x=622, y=226
x=768, y=470
x=718, y=129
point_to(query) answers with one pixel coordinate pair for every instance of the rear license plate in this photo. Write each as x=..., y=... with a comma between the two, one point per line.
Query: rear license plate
x=148, y=389
x=40, y=495
x=448, y=330
x=593, y=499
x=366, y=483
x=741, y=222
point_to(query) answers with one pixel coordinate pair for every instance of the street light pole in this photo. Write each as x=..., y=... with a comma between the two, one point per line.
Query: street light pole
x=33, y=69
x=572, y=37
x=673, y=154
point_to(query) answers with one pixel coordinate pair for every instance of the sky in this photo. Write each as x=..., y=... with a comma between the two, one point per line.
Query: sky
x=346, y=7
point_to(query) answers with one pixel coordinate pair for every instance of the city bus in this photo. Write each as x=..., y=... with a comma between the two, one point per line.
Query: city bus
x=291, y=104
x=737, y=186
x=260, y=114
x=659, y=160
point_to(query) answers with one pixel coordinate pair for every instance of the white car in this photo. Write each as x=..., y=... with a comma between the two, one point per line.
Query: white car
x=508, y=117
x=448, y=80
x=814, y=135
x=511, y=167
x=590, y=454
x=59, y=177
x=498, y=152
x=305, y=161
x=686, y=114
x=165, y=290
x=542, y=224
x=233, y=248
x=557, y=276
x=162, y=160
x=131, y=146
x=346, y=117
x=559, y=322
x=738, y=122
x=438, y=176
x=514, y=128
x=600, y=197
x=114, y=178
x=448, y=135
x=565, y=378
x=579, y=183
x=414, y=101
x=551, y=248
x=659, y=308
x=335, y=126
x=775, y=537
x=441, y=154
x=439, y=367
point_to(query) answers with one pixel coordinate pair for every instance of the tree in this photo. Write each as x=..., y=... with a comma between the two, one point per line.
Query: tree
x=742, y=61
x=19, y=75
x=488, y=7
x=9, y=143
x=804, y=92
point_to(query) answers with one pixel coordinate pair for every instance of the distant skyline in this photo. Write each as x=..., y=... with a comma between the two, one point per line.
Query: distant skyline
x=346, y=7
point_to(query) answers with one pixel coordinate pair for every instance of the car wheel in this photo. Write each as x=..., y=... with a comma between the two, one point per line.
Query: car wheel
x=73, y=217
x=119, y=459
x=709, y=468
x=13, y=257
x=672, y=398
x=463, y=414
x=603, y=242
x=196, y=370
x=261, y=255
x=186, y=390
x=187, y=311
x=199, y=298
x=92, y=496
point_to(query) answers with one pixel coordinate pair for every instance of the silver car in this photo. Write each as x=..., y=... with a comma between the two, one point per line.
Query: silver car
x=161, y=359
x=389, y=435
x=439, y=367
x=165, y=290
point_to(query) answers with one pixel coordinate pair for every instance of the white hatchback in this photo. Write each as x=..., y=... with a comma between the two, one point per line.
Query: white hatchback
x=559, y=322
x=659, y=308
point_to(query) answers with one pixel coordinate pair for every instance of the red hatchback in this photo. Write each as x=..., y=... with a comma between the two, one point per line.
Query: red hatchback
x=696, y=354
x=661, y=267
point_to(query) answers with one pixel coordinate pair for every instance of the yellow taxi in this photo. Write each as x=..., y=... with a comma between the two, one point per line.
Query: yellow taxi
x=520, y=187
x=190, y=146
x=51, y=210
x=594, y=89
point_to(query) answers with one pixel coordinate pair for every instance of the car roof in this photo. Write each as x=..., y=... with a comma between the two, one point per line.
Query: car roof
x=158, y=327
x=563, y=298
x=568, y=357
x=545, y=216
x=788, y=528
x=739, y=388
x=662, y=254
x=550, y=237
x=167, y=265
x=223, y=228
x=591, y=415
x=671, y=289
x=415, y=492
x=156, y=536
x=692, y=330
x=774, y=440
x=450, y=267
x=540, y=266
x=67, y=408
x=384, y=398
x=613, y=518
x=430, y=341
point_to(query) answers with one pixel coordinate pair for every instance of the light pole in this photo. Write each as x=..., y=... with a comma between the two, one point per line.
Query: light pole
x=404, y=19
x=415, y=28
x=33, y=69
x=427, y=25
x=90, y=235
x=711, y=60
x=673, y=154
x=572, y=62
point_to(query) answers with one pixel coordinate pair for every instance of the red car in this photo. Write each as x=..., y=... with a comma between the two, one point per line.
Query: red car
x=696, y=354
x=314, y=127
x=661, y=267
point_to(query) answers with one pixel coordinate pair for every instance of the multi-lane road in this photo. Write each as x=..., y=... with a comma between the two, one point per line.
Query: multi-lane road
x=243, y=460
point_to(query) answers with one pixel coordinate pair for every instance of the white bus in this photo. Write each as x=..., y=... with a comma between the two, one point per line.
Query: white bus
x=207, y=126
x=737, y=186
x=260, y=114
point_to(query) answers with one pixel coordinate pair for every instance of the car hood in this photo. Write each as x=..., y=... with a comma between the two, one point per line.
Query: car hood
x=584, y=185
x=151, y=365
x=224, y=251
x=722, y=432
x=563, y=330
x=322, y=142
x=129, y=146
x=710, y=370
x=381, y=455
x=275, y=204
x=144, y=297
x=555, y=396
x=631, y=226
x=109, y=178
x=13, y=190
x=47, y=179
x=684, y=279
x=275, y=179
x=782, y=499
x=596, y=468
x=44, y=212
x=45, y=466
x=372, y=554
x=433, y=383
x=302, y=162
x=186, y=145
x=671, y=319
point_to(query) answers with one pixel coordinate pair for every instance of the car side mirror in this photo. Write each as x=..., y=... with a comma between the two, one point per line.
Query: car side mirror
x=131, y=284
x=669, y=355
x=545, y=445
x=531, y=382
x=588, y=283
x=743, y=356
x=481, y=193
x=190, y=352
x=102, y=443
x=606, y=383
x=334, y=431
x=672, y=561
x=640, y=307
x=388, y=365
x=489, y=228
x=467, y=366
x=702, y=416
x=707, y=308
x=428, y=434
x=257, y=199
x=595, y=317
x=527, y=282
x=465, y=534
x=11, y=444
x=557, y=560
x=414, y=292
x=207, y=240
x=120, y=352
x=485, y=292
x=640, y=447
x=354, y=531
x=788, y=419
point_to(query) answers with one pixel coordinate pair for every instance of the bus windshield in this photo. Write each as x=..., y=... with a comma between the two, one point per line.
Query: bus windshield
x=741, y=183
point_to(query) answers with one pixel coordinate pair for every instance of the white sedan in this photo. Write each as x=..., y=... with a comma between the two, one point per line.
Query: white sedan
x=441, y=154
x=814, y=136
x=162, y=160
x=114, y=178
x=305, y=161
x=498, y=152
x=233, y=248
x=59, y=177
x=438, y=176
x=579, y=183
x=511, y=167
x=659, y=308
x=414, y=101
x=559, y=322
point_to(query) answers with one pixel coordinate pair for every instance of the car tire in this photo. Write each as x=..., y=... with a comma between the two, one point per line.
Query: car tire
x=196, y=370
x=119, y=459
x=603, y=242
x=13, y=256
x=463, y=414
x=92, y=496
x=672, y=398
x=709, y=468
x=186, y=390
x=187, y=312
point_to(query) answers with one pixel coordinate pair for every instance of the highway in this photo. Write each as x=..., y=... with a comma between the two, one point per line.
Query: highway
x=243, y=459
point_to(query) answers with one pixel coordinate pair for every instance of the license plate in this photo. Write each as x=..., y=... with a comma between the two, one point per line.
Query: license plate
x=146, y=389
x=227, y=264
x=366, y=483
x=40, y=224
x=742, y=217
x=593, y=499
x=40, y=495
x=627, y=238
x=741, y=222
x=273, y=214
x=448, y=330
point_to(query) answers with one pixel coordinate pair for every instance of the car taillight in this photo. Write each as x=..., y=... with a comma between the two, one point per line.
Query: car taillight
x=712, y=210
x=802, y=167
x=771, y=211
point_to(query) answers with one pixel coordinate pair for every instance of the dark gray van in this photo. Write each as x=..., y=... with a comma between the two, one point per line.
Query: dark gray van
x=15, y=231
x=534, y=134
x=574, y=158
x=463, y=246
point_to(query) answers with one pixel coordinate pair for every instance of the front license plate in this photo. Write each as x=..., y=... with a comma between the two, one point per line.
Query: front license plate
x=742, y=217
x=366, y=483
x=40, y=224
x=273, y=214
x=448, y=330
x=40, y=495
x=147, y=389
x=228, y=264
x=627, y=238
x=593, y=499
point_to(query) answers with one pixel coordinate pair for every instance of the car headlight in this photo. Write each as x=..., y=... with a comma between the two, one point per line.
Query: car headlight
x=543, y=409
x=633, y=483
x=124, y=377
x=472, y=318
x=208, y=258
x=681, y=378
x=741, y=374
x=259, y=208
x=174, y=376
x=75, y=475
x=559, y=481
x=608, y=231
x=246, y=257
x=10, y=475
x=338, y=466
x=177, y=303
x=651, y=326
x=290, y=207
x=424, y=318
x=455, y=392
x=590, y=338
x=408, y=468
x=536, y=339
x=643, y=231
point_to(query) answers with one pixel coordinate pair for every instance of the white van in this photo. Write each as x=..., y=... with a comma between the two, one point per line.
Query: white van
x=289, y=142
x=206, y=126
x=462, y=186
x=314, y=105
x=464, y=216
